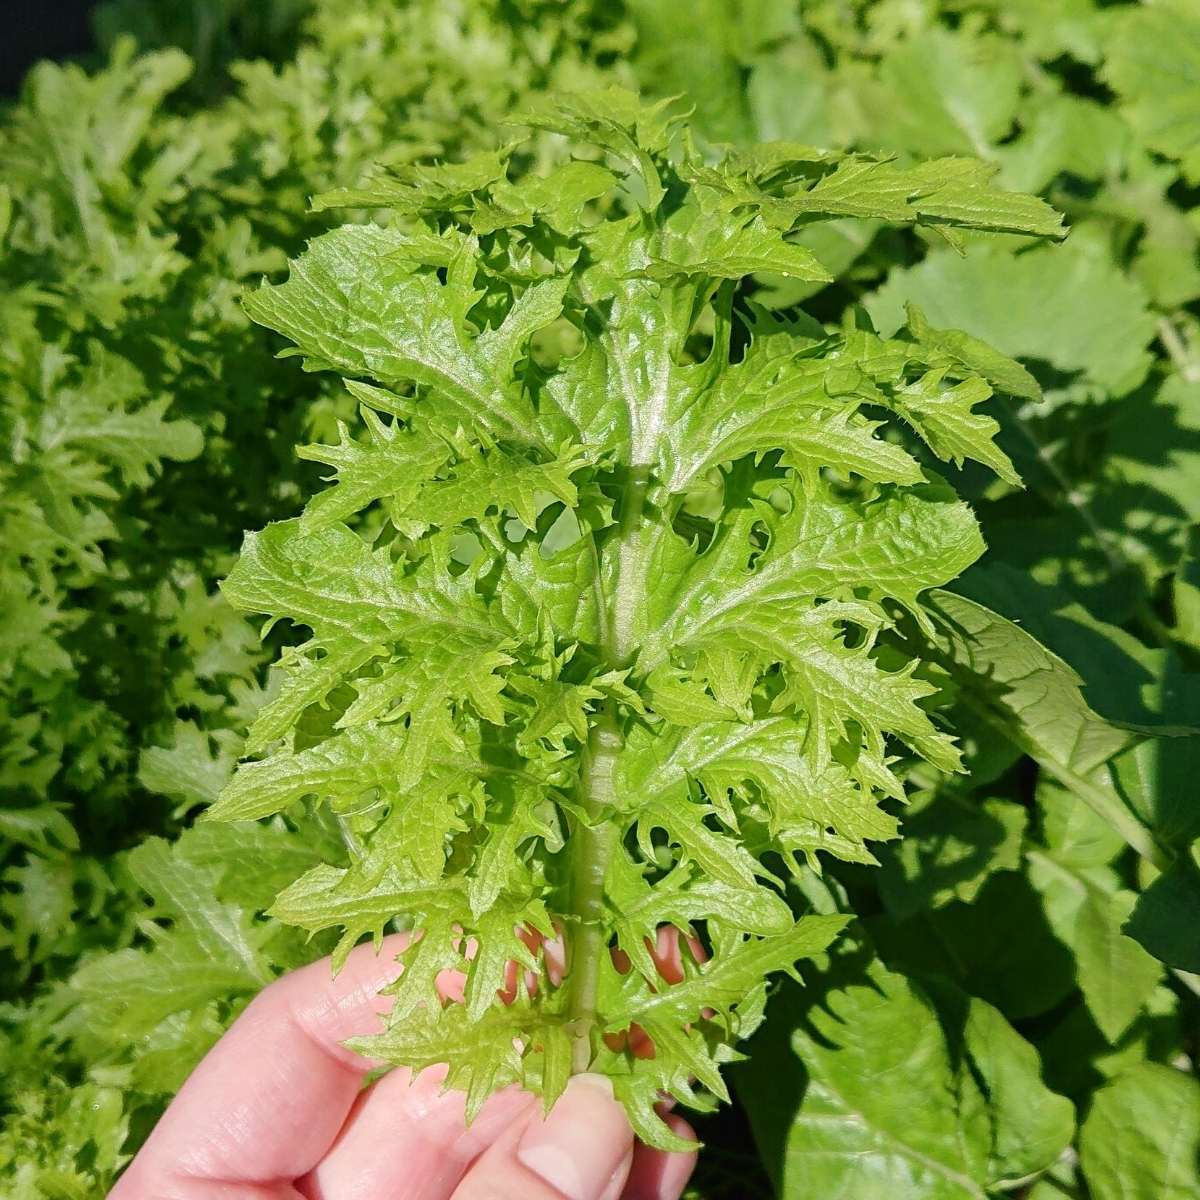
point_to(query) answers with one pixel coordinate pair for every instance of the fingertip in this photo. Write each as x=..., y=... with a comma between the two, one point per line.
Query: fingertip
x=583, y=1148
x=662, y=1174
x=367, y=969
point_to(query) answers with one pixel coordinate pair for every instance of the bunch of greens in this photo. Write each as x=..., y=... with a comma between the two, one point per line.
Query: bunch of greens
x=1012, y=1007
x=609, y=644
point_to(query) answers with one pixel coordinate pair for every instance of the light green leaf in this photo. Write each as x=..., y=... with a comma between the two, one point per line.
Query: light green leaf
x=729, y=251
x=616, y=619
x=344, y=766
x=1153, y=63
x=187, y=897
x=189, y=771
x=1141, y=1139
x=1086, y=909
x=807, y=809
x=944, y=416
x=483, y=1053
x=351, y=305
x=327, y=897
x=1027, y=306
x=985, y=1119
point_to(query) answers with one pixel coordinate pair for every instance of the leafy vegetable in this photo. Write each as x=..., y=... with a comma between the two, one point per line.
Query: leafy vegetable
x=1032, y=922
x=593, y=696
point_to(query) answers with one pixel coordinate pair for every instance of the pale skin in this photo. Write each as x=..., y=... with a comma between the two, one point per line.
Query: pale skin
x=278, y=1111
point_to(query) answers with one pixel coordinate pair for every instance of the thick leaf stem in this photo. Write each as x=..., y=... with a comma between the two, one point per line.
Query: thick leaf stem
x=592, y=839
x=591, y=846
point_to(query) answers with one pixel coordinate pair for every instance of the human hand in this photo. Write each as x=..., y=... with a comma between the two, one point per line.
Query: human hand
x=276, y=1111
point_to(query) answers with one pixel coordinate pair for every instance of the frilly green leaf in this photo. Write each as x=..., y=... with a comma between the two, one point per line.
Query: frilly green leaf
x=602, y=598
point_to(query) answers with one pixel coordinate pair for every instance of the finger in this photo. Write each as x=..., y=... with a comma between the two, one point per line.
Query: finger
x=407, y=1139
x=582, y=1150
x=657, y=1174
x=667, y=952
x=268, y=1100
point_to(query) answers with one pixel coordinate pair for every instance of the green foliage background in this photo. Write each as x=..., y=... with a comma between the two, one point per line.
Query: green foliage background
x=147, y=424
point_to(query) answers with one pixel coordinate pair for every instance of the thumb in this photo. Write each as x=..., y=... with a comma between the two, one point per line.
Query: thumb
x=582, y=1150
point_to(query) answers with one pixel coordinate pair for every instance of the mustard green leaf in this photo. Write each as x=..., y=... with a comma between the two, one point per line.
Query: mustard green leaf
x=602, y=597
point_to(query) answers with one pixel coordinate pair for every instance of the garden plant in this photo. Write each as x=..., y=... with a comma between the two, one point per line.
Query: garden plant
x=532, y=474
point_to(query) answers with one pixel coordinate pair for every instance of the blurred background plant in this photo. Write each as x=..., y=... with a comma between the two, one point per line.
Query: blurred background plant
x=147, y=424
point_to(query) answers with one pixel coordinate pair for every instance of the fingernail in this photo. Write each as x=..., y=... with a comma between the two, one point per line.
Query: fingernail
x=582, y=1149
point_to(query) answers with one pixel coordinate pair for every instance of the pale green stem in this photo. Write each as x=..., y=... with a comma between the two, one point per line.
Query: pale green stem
x=591, y=846
x=1177, y=351
x=592, y=841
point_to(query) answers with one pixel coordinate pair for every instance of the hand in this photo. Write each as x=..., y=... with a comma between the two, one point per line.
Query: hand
x=276, y=1111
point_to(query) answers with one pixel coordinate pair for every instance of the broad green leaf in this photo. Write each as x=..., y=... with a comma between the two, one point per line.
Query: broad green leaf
x=844, y=1127
x=1034, y=693
x=1064, y=134
x=1075, y=834
x=1154, y=448
x=1141, y=1139
x=1186, y=593
x=1035, y=699
x=943, y=94
x=1000, y=947
x=130, y=992
x=951, y=845
x=1127, y=683
x=1087, y=908
x=1153, y=63
x=704, y=58
x=1132, y=686
x=251, y=863
x=1027, y=306
x=1155, y=776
